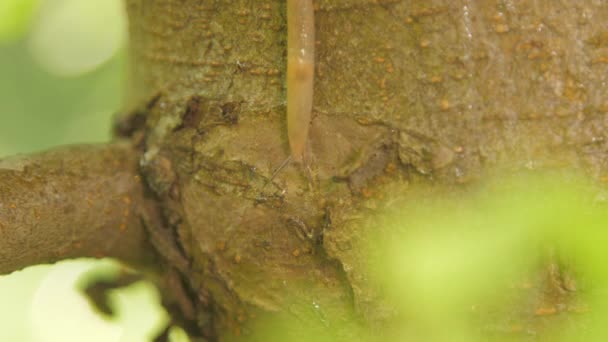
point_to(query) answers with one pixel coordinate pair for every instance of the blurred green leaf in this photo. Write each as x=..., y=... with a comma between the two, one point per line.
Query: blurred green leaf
x=15, y=16
x=458, y=261
x=72, y=37
x=178, y=335
x=39, y=110
x=16, y=293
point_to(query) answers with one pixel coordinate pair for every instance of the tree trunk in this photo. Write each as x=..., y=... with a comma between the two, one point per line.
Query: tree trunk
x=410, y=98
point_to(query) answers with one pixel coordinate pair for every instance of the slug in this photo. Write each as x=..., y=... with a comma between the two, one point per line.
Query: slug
x=300, y=73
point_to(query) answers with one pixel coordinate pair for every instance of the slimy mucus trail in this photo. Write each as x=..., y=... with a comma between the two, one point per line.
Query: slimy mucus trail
x=300, y=73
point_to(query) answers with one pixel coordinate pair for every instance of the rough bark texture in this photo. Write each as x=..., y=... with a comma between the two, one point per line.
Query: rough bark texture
x=411, y=98
x=83, y=201
x=407, y=93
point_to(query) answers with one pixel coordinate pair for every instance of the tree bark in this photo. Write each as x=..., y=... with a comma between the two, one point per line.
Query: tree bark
x=411, y=98
x=81, y=201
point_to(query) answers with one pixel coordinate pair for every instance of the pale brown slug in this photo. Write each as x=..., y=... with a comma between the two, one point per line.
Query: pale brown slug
x=300, y=73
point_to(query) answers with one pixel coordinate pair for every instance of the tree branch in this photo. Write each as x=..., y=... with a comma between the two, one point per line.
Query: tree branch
x=80, y=201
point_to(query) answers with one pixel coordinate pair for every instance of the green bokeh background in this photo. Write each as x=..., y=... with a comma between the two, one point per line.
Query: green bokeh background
x=39, y=110
x=62, y=70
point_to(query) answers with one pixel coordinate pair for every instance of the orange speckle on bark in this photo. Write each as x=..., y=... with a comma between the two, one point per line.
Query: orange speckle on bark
x=366, y=192
x=498, y=16
x=390, y=168
x=221, y=245
x=237, y=258
x=273, y=72
x=600, y=60
x=379, y=60
x=436, y=79
x=545, y=311
x=425, y=43
x=536, y=54
x=444, y=104
x=501, y=28
x=296, y=253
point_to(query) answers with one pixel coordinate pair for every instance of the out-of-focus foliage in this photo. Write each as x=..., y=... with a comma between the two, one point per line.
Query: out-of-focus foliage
x=15, y=16
x=474, y=266
x=58, y=313
x=38, y=108
x=74, y=36
x=43, y=42
x=449, y=262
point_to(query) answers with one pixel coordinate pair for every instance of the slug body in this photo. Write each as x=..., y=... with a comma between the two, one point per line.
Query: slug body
x=300, y=73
